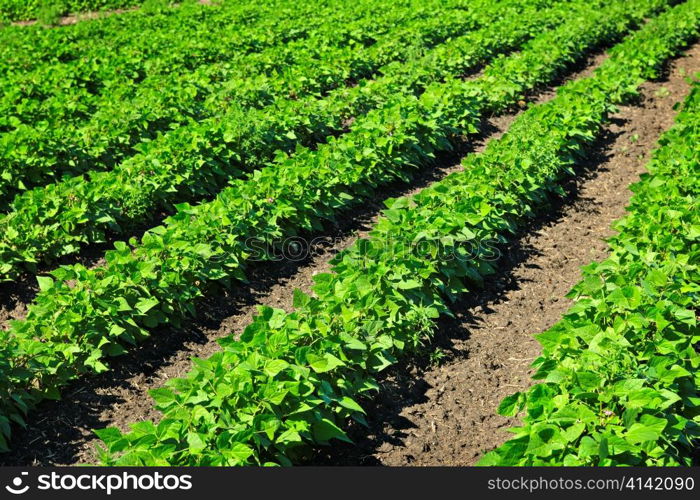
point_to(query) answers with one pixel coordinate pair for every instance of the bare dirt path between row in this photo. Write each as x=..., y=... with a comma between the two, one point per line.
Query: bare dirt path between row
x=59, y=433
x=446, y=414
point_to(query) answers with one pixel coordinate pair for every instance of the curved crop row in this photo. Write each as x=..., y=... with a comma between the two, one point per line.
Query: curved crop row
x=39, y=59
x=38, y=153
x=86, y=315
x=293, y=379
x=194, y=162
x=73, y=91
x=237, y=26
x=40, y=139
x=23, y=10
x=620, y=380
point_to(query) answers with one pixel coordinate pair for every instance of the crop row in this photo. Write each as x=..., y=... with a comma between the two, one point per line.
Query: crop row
x=22, y=10
x=85, y=315
x=293, y=379
x=74, y=90
x=619, y=372
x=120, y=39
x=258, y=25
x=37, y=153
x=193, y=162
x=42, y=110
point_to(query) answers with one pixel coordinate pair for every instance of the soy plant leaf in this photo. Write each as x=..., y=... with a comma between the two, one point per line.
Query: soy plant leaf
x=511, y=405
x=45, y=283
x=325, y=430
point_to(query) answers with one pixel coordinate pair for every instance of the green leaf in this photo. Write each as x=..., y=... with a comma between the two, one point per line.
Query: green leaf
x=650, y=429
x=45, y=283
x=162, y=396
x=146, y=304
x=350, y=404
x=409, y=284
x=325, y=430
x=195, y=442
x=511, y=405
x=274, y=366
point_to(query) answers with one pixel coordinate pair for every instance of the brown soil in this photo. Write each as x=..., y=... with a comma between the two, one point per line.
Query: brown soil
x=14, y=298
x=446, y=414
x=60, y=433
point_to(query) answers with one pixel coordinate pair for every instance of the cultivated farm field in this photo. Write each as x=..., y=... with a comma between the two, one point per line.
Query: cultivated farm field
x=415, y=232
